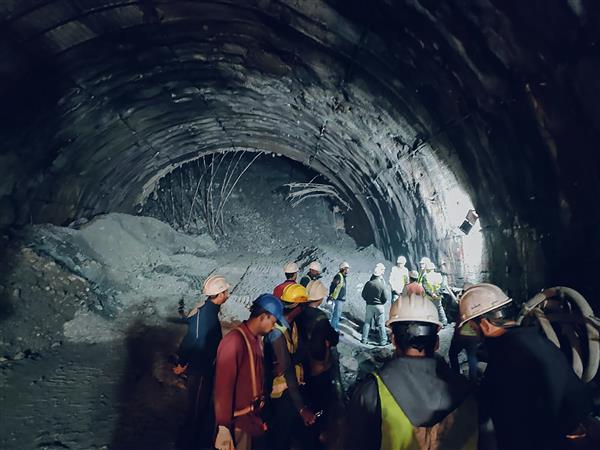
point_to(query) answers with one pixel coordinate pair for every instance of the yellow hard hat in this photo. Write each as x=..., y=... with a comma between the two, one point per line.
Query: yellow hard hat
x=413, y=309
x=480, y=299
x=294, y=294
x=316, y=291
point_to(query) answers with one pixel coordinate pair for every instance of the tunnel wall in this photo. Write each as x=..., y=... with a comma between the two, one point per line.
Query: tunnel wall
x=389, y=101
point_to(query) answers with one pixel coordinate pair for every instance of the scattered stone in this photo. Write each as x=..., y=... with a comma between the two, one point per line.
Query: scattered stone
x=16, y=293
x=19, y=356
x=56, y=344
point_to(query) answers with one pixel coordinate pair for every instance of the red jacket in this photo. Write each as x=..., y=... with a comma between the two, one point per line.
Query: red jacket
x=233, y=389
x=278, y=291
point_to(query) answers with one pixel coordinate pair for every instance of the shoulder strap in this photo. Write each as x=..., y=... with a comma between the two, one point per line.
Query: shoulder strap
x=251, y=359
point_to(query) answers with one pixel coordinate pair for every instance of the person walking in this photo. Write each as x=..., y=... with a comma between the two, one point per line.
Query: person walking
x=432, y=283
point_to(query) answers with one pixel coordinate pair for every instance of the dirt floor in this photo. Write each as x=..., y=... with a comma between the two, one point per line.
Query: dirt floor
x=89, y=324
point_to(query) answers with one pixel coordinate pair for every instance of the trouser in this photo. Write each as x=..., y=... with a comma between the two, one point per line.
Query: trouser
x=469, y=344
x=243, y=441
x=336, y=316
x=440, y=308
x=374, y=313
x=285, y=426
x=198, y=428
x=321, y=396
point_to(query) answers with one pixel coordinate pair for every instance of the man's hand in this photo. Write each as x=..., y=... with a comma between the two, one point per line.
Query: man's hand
x=307, y=416
x=179, y=369
x=224, y=441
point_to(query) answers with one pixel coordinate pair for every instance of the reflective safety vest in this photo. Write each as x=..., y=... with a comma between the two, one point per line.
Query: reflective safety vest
x=458, y=431
x=336, y=292
x=432, y=282
x=279, y=383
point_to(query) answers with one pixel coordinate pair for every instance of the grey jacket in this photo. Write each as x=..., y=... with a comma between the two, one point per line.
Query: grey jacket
x=376, y=291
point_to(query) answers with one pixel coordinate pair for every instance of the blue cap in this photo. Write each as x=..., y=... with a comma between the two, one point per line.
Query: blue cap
x=272, y=305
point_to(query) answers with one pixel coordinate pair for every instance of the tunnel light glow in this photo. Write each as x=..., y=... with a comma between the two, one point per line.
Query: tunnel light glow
x=458, y=204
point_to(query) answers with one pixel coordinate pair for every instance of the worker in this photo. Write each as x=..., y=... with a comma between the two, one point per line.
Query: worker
x=239, y=378
x=288, y=411
x=413, y=287
x=422, y=267
x=314, y=273
x=337, y=294
x=196, y=361
x=398, y=277
x=415, y=401
x=468, y=339
x=291, y=274
x=528, y=389
x=432, y=283
x=376, y=293
x=323, y=384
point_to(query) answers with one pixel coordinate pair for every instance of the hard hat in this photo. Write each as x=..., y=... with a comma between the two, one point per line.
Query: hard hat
x=413, y=309
x=424, y=260
x=316, y=291
x=401, y=260
x=413, y=274
x=344, y=265
x=271, y=304
x=480, y=299
x=294, y=293
x=379, y=270
x=214, y=285
x=290, y=267
x=430, y=266
x=315, y=265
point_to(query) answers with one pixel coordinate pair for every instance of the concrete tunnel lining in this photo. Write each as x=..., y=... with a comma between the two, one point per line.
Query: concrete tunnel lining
x=445, y=94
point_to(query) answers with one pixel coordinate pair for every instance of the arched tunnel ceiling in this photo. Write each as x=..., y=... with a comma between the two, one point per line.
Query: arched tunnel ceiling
x=393, y=101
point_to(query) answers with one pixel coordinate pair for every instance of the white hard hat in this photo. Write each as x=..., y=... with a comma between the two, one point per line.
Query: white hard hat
x=344, y=265
x=401, y=260
x=316, y=291
x=480, y=299
x=424, y=260
x=315, y=265
x=214, y=285
x=413, y=309
x=430, y=266
x=290, y=267
x=413, y=274
x=379, y=270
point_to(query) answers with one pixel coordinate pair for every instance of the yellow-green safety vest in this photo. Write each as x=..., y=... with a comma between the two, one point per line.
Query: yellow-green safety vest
x=458, y=431
x=279, y=383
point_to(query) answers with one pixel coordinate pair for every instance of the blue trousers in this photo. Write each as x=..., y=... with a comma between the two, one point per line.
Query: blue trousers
x=337, y=314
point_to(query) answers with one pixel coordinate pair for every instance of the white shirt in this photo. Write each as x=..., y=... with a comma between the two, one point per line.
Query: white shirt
x=398, y=278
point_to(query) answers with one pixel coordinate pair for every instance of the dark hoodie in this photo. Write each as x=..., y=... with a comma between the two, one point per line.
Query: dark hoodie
x=426, y=389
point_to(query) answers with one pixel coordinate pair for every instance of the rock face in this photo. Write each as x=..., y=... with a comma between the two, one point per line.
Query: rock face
x=395, y=103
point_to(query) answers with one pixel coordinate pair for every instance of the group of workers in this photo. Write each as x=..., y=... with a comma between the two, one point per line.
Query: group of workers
x=273, y=381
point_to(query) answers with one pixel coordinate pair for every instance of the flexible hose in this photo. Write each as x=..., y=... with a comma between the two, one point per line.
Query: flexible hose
x=592, y=330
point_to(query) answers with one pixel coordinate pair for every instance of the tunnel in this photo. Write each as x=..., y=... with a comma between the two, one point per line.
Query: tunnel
x=408, y=113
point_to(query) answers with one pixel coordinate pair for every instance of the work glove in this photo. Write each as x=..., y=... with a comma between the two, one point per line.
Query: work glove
x=224, y=441
x=179, y=369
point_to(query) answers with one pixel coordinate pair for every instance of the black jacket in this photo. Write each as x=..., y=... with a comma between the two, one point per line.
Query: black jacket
x=376, y=291
x=199, y=346
x=426, y=389
x=530, y=391
x=308, y=278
